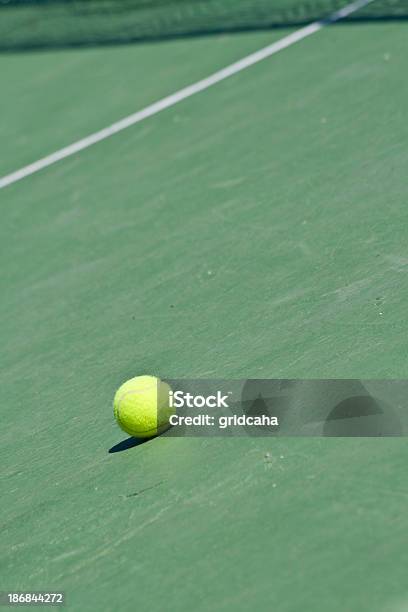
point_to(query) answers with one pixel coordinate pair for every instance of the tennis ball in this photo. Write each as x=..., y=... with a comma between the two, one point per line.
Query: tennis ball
x=141, y=406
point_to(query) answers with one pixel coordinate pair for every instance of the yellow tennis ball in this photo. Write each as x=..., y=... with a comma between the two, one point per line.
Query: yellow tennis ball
x=142, y=406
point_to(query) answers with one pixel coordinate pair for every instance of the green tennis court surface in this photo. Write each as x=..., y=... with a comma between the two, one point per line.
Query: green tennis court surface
x=254, y=230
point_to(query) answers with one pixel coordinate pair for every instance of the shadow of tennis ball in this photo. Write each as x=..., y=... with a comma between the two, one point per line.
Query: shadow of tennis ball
x=126, y=444
x=362, y=416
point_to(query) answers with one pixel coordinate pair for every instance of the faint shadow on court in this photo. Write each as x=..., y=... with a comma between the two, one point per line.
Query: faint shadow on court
x=28, y=25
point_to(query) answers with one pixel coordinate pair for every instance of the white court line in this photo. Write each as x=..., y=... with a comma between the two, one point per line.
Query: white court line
x=182, y=94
